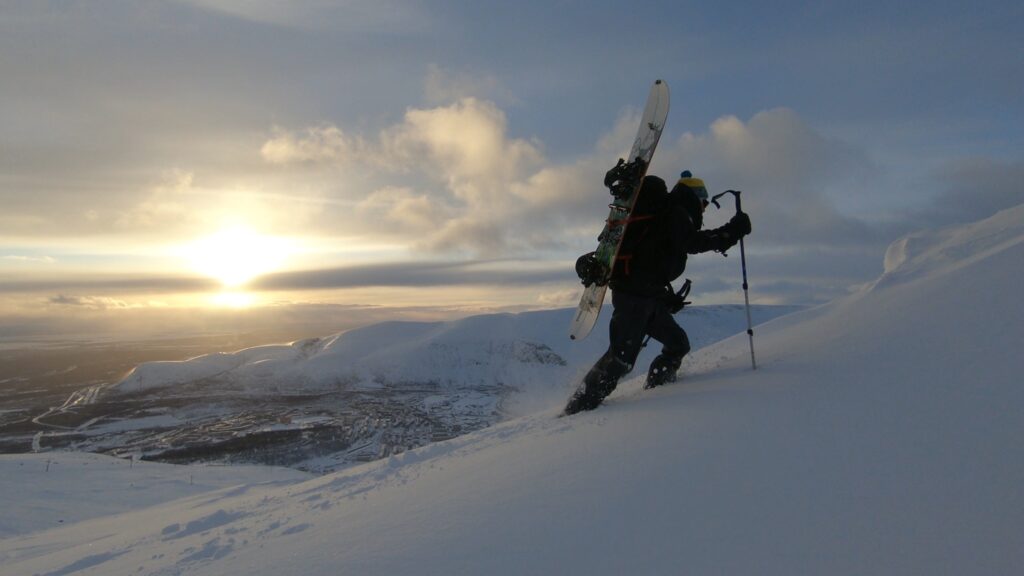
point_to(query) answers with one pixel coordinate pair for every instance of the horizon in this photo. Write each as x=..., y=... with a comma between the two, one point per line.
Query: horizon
x=200, y=165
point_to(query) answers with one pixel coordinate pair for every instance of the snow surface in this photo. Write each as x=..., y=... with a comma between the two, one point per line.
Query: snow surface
x=47, y=490
x=879, y=435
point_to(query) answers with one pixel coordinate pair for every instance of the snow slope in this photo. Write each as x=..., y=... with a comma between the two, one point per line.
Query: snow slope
x=49, y=490
x=880, y=435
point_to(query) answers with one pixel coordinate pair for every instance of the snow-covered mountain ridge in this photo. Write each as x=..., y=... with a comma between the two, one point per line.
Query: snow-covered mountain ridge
x=322, y=404
x=513, y=350
x=878, y=436
x=325, y=403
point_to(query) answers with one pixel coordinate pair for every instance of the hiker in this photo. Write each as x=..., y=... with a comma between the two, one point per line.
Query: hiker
x=664, y=228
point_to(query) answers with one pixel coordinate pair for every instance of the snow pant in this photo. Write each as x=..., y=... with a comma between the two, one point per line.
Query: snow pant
x=633, y=318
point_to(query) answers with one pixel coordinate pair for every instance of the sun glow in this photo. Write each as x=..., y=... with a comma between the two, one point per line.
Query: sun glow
x=231, y=299
x=236, y=254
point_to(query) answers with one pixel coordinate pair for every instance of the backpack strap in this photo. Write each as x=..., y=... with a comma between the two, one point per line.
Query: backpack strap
x=627, y=258
x=629, y=219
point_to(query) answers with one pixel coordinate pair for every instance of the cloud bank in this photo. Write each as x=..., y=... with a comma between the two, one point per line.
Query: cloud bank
x=787, y=171
x=461, y=184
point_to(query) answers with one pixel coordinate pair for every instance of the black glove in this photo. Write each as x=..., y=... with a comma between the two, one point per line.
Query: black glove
x=739, y=225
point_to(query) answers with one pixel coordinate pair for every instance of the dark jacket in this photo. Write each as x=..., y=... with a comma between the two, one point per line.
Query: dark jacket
x=664, y=228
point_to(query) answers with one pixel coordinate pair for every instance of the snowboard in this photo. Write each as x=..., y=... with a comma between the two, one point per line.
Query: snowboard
x=624, y=181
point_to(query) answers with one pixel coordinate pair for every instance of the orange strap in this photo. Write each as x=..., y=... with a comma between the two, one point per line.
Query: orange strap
x=628, y=258
x=629, y=219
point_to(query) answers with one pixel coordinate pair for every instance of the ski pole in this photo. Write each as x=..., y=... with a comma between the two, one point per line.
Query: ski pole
x=743, y=265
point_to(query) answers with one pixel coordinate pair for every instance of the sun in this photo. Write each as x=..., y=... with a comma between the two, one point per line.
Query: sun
x=235, y=255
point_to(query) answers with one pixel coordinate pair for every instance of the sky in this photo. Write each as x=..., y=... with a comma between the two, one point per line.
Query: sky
x=201, y=165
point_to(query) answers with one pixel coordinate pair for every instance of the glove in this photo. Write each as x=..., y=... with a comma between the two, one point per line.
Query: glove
x=739, y=225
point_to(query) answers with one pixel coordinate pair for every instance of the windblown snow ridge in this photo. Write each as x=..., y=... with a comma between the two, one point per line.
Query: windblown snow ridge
x=923, y=253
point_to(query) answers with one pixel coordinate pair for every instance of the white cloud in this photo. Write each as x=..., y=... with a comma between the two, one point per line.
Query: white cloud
x=471, y=179
x=181, y=206
x=30, y=259
x=785, y=168
x=324, y=144
x=466, y=185
x=457, y=143
x=167, y=202
x=460, y=184
x=465, y=143
x=403, y=211
x=558, y=298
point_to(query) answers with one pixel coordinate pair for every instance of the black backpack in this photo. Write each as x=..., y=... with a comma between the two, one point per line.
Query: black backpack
x=645, y=232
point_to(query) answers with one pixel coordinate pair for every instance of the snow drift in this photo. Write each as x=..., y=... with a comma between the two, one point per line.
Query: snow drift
x=880, y=435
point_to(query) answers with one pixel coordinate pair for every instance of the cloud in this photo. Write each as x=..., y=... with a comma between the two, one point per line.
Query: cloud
x=559, y=298
x=166, y=202
x=34, y=259
x=465, y=143
x=457, y=143
x=972, y=189
x=470, y=188
x=786, y=169
x=450, y=180
x=417, y=274
x=324, y=144
x=463, y=187
x=470, y=180
x=406, y=211
x=89, y=302
x=119, y=284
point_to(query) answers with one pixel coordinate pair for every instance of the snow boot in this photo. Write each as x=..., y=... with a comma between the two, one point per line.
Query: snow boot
x=662, y=371
x=597, y=384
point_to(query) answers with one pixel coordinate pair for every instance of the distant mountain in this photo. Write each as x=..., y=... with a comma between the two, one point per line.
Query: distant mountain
x=324, y=403
x=512, y=350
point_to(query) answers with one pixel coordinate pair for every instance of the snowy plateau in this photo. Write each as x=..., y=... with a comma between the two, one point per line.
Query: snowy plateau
x=880, y=434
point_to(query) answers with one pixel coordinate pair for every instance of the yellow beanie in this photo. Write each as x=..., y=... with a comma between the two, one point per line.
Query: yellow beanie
x=695, y=184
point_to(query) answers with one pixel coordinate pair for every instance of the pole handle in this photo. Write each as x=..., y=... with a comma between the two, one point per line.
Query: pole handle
x=735, y=193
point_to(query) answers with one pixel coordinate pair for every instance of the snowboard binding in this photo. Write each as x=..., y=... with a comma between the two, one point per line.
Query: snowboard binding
x=591, y=270
x=624, y=177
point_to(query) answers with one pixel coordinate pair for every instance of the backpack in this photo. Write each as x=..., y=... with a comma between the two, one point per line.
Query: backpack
x=646, y=228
